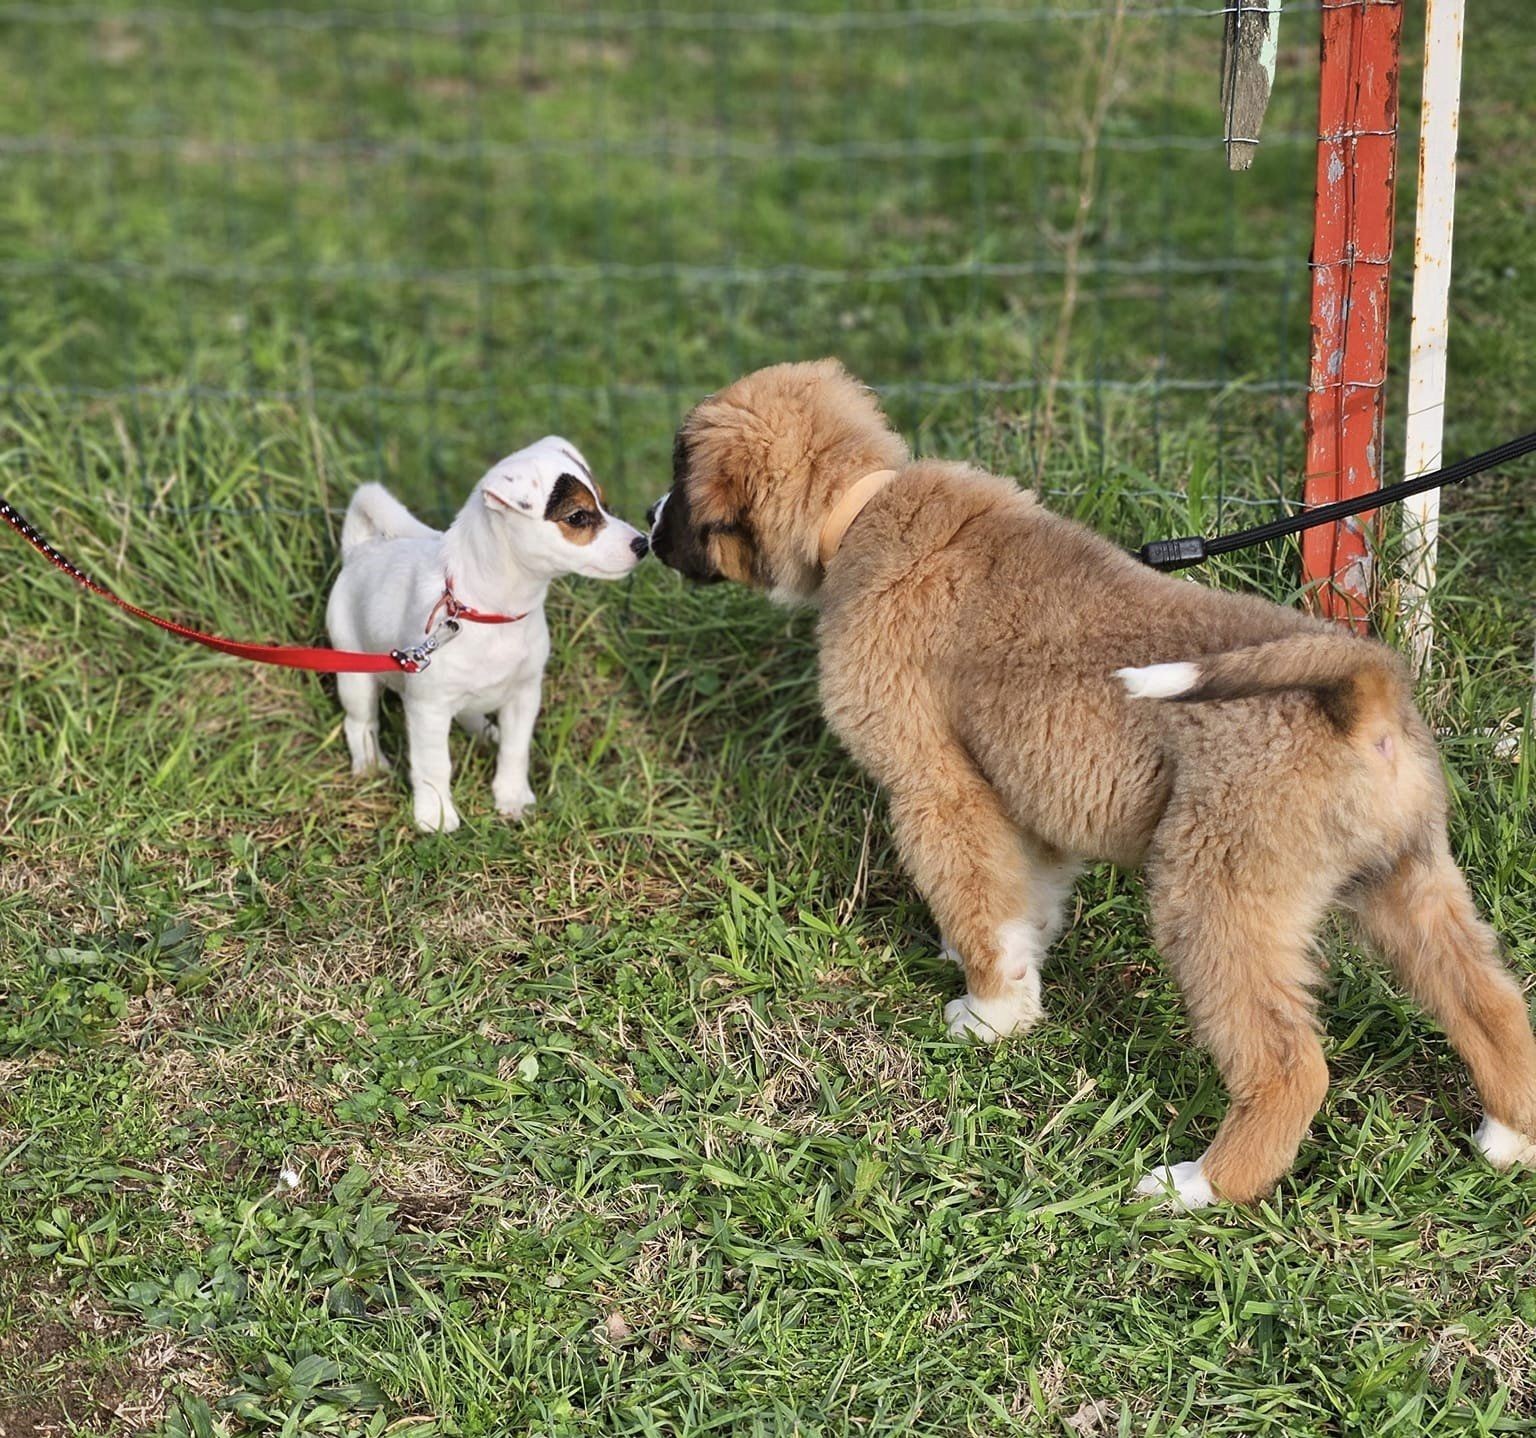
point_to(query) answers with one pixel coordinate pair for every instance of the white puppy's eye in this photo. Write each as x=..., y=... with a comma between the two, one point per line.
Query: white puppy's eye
x=580, y=519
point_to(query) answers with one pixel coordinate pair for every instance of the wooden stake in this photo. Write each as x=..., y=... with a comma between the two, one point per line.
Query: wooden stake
x=1438, y=120
x=1248, y=51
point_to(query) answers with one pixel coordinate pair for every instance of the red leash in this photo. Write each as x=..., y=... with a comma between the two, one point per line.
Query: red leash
x=319, y=660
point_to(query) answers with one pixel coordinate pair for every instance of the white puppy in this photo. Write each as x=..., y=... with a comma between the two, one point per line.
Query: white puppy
x=533, y=517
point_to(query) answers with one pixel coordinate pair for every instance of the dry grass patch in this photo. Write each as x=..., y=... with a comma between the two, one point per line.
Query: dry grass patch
x=67, y=1362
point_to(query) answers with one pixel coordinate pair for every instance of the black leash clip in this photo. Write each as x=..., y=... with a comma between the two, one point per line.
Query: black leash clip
x=1173, y=553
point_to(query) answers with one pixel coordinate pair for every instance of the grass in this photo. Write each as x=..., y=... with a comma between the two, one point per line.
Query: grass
x=637, y=1118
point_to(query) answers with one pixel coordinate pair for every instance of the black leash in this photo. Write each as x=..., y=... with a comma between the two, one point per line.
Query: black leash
x=1181, y=553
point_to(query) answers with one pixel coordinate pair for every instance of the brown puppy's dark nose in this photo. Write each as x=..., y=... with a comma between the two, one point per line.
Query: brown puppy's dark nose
x=640, y=544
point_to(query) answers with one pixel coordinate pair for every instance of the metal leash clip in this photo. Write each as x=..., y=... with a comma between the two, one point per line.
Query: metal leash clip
x=419, y=656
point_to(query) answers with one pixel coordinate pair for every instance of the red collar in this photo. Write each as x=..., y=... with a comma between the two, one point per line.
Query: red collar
x=451, y=607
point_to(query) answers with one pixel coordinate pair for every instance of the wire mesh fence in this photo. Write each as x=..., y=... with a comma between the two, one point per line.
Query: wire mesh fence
x=435, y=232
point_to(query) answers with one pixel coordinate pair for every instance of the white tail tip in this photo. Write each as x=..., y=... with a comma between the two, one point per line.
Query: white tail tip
x=1159, y=681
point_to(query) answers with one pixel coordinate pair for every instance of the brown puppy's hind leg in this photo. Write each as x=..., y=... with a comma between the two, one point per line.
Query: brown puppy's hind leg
x=1243, y=959
x=969, y=862
x=1423, y=920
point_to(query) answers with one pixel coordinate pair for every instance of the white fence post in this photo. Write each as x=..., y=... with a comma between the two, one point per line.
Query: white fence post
x=1431, y=297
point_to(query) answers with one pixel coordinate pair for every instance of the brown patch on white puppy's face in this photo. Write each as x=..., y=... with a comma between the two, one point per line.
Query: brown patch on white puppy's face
x=585, y=471
x=575, y=508
x=757, y=468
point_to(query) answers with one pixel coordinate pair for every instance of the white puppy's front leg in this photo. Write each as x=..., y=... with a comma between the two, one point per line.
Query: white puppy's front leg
x=426, y=732
x=516, y=718
x=359, y=695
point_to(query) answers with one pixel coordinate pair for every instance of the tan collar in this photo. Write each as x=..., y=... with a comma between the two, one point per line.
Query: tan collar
x=848, y=509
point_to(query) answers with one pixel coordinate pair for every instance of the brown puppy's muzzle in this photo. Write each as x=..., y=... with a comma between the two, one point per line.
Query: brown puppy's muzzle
x=679, y=543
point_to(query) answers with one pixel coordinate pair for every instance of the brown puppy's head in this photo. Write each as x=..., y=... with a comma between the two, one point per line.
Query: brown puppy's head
x=757, y=468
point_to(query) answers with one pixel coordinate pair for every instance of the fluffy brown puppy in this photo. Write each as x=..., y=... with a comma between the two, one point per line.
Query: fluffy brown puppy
x=1031, y=697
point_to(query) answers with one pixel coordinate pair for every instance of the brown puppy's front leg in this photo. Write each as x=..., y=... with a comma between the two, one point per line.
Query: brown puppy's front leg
x=1052, y=876
x=969, y=862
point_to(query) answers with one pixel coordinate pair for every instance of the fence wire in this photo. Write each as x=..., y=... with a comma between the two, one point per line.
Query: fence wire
x=435, y=233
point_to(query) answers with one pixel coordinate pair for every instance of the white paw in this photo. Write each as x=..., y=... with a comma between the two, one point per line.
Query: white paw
x=516, y=804
x=988, y=1020
x=374, y=763
x=1159, y=681
x=1502, y=1146
x=435, y=815
x=1180, y=1185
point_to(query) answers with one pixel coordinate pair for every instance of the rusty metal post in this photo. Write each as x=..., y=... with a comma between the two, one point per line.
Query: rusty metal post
x=1351, y=258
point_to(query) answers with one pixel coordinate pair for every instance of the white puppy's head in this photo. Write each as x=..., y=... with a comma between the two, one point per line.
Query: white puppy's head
x=552, y=510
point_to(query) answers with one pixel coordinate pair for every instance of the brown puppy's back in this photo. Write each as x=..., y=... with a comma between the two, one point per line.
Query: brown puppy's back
x=958, y=603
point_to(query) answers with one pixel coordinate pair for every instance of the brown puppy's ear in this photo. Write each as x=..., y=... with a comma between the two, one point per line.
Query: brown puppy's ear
x=735, y=553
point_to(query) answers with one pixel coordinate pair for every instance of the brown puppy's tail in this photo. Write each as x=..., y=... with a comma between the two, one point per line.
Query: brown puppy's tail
x=1351, y=677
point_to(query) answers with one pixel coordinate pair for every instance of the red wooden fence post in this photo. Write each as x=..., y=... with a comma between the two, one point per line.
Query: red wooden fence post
x=1351, y=258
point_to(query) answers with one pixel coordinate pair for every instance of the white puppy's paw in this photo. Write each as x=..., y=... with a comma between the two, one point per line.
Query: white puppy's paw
x=1503, y=1146
x=1180, y=1185
x=1159, y=681
x=988, y=1020
x=435, y=815
x=515, y=803
x=374, y=763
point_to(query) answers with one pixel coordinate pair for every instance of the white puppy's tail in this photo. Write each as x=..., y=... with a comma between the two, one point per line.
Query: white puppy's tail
x=1353, y=678
x=375, y=513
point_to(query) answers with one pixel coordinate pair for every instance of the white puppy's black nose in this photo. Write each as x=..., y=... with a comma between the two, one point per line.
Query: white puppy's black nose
x=640, y=544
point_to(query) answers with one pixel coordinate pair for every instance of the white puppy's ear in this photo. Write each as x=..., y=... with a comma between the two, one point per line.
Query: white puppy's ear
x=517, y=486
x=523, y=482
